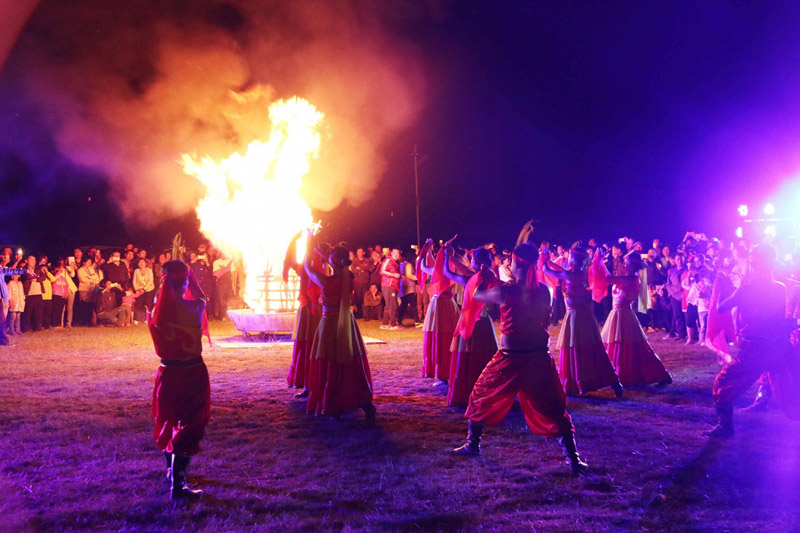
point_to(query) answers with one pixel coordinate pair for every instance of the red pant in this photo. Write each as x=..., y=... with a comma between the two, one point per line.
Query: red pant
x=181, y=408
x=753, y=359
x=531, y=376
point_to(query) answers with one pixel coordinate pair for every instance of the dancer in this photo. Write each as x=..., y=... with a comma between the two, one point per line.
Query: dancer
x=308, y=316
x=584, y=365
x=633, y=358
x=339, y=380
x=474, y=341
x=762, y=335
x=182, y=395
x=523, y=367
x=441, y=317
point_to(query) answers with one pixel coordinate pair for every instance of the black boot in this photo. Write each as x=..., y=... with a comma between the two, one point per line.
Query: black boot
x=724, y=428
x=473, y=444
x=617, y=390
x=567, y=443
x=168, y=457
x=180, y=463
x=369, y=411
x=302, y=394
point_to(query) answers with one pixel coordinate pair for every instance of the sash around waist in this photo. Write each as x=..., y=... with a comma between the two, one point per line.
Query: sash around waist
x=182, y=362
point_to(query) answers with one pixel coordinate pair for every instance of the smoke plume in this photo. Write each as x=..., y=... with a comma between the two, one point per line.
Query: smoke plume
x=125, y=88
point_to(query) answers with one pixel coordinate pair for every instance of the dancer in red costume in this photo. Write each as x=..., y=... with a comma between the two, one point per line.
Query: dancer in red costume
x=308, y=316
x=441, y=317
x=583, y=365
x=632, y=356
x=762, y=336
x=474, y=342
x=339, y=379
x=182, y=395
x=522, y=367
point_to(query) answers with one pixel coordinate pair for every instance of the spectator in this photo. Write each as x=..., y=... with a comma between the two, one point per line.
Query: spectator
x=362, y=267
x=5, y=298
x=32, y=316
x=129, y=300
x=408, y=290
x=504, y=272
x=373, y=304
x=204, y=275
x=375, y=275
x=158, y=268
x=47, y=292
x=16, y=304
x=117, y=273
x=72, y=272
x=692, y=312
x=144, y=287
x=129, y=261
x=224, y=268
x=62, y=288
x=106, y=308
x=390, y=285
x=88, y=280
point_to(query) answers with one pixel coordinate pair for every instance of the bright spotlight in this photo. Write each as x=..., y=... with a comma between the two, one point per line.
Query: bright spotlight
x=743, y=210
x=770, y=230
x=769, y=209
x=739, y=232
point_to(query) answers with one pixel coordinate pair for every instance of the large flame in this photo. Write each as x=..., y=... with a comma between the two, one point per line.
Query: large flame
x=252, y=207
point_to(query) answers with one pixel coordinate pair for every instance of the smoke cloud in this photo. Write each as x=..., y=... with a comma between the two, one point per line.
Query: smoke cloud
x=125, y=88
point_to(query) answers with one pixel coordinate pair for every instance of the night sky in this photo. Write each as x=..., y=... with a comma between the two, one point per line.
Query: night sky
x=598, y=120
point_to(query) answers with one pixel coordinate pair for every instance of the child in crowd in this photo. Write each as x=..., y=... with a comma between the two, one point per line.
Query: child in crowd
x=128, y=301
x=16, y=304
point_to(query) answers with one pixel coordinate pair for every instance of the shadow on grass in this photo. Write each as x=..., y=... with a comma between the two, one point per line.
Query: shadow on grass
x=677, y=495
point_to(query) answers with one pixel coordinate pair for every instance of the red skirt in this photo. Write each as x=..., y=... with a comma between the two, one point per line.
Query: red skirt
x=181, y=408
x=584, y=365
x=308, y=317
x=468, y=360
x=529, y=375
x=440, y=324
x=334, y=388
x=632, y=356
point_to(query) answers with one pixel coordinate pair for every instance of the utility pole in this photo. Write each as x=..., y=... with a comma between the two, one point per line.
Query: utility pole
x=416, y=187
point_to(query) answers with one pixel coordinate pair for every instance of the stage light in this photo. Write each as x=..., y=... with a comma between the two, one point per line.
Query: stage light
x=743, y=210
x=769, y=209
x=770, y=230
x=739, y=232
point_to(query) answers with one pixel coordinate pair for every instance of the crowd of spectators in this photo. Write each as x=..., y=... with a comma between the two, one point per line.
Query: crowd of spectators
x=114, y=286
x=97, y=287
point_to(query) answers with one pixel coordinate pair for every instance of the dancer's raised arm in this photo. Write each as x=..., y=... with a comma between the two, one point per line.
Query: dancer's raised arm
x=452, y=275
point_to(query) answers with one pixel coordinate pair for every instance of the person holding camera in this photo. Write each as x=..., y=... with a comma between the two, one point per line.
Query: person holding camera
x=32, y=280
x=106, y=308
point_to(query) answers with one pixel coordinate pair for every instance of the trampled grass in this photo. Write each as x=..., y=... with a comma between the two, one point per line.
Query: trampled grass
x=77, y=452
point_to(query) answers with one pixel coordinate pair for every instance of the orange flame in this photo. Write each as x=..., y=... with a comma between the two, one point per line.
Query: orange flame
x=252, y=207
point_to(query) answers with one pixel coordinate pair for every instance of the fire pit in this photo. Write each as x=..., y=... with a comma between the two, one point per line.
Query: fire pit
x=261, y=325
x=275, y=316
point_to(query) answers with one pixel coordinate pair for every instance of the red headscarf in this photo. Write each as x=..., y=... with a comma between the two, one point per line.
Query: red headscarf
x=526, y=255
x=439, y=282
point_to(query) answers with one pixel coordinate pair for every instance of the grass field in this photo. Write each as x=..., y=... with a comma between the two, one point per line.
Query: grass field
x=77, y=452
